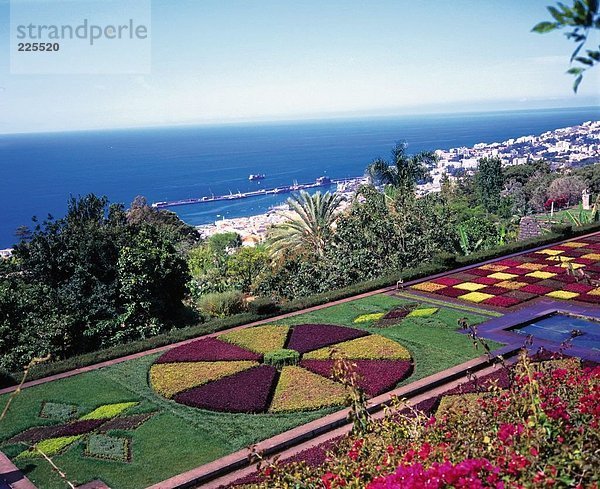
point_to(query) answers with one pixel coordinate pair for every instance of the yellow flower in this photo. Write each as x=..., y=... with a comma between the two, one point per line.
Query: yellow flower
x=472, y=286
x=540, y=274
x=502, y=276
x=562, y=294
x=428, y=286
x=476, y=296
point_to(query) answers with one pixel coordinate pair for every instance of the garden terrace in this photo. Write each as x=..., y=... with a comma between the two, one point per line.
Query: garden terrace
x=568, y=271
x=195, y=398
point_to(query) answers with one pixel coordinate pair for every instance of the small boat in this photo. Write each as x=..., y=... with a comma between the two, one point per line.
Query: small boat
x=259, y=176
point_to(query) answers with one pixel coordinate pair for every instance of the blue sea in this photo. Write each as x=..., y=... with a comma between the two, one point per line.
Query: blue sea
x=38, y=172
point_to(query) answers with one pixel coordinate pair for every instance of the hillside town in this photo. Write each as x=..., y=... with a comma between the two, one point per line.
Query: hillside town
x=573, y=146
x=565, y=147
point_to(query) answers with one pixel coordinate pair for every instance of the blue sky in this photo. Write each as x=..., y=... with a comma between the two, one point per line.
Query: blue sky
x=238, y=60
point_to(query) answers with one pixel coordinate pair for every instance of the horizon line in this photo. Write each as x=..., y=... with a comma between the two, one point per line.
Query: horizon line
x=324, y=117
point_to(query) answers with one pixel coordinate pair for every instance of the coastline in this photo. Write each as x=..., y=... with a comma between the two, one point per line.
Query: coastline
x=563, y=147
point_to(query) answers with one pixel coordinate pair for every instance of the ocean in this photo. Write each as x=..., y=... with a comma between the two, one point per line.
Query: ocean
x=38, y=172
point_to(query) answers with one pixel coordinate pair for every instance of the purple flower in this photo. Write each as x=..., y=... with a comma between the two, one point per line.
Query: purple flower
x=207, y=350
x=375, y=376
x=244, y=392
x=307, y=337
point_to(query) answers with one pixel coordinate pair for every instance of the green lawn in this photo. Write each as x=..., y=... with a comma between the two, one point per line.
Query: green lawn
x=178, y=438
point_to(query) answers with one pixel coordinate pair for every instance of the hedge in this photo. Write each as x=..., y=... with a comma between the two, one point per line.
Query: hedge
x=439, y=264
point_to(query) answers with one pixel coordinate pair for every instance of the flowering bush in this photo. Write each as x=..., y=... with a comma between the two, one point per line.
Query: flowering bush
x=259, y=339
x=306, y=337
x=501, y=301
x=541, y=431
x=470, y=286
x=170, y=378
x=373, y=347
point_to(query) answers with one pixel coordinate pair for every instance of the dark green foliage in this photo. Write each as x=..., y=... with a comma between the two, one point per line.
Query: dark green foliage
x=564, y=229
x=222, y=304
x=581, y=20
x=281, y=358
x=591, y=175
x=89, y=279
x=166, y=221
x=489, y=181
x=404, y=171
x=263, y=305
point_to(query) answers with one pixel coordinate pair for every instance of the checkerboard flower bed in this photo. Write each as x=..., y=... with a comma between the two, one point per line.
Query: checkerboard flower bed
x=247, y=386
x=543, y=273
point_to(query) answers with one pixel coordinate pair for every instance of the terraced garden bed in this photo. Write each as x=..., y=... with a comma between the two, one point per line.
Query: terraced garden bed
x=556, y=272
x=139, y=422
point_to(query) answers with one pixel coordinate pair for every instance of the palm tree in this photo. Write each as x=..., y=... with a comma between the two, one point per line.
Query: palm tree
x=404, y=171
x=309, y=226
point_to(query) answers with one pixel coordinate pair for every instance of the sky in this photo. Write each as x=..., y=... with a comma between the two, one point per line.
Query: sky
x=220, y=61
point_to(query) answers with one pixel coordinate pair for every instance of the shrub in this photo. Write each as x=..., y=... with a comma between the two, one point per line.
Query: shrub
x=374, y=376
x=521, y=435
x=221, y=304
x=207, y=350
x=426, y=312
x=263, y=305
x=564, y=229
x=108, y=448
x=50, y=447
x=281, y=358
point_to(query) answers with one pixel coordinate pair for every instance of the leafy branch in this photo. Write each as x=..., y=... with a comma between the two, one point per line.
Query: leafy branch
x=580, y=19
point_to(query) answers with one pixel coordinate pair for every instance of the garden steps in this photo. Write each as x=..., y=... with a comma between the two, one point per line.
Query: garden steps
x=232, y=467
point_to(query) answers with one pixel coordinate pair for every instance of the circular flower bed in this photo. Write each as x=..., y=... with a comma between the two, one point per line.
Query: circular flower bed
x=276, y=368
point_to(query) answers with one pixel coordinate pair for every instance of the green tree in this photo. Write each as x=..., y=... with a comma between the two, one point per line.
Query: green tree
x=245, y=265
x=581, y=20
x=90, y=278
x=309, y=226
x=489, y=181
x=404, y=171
